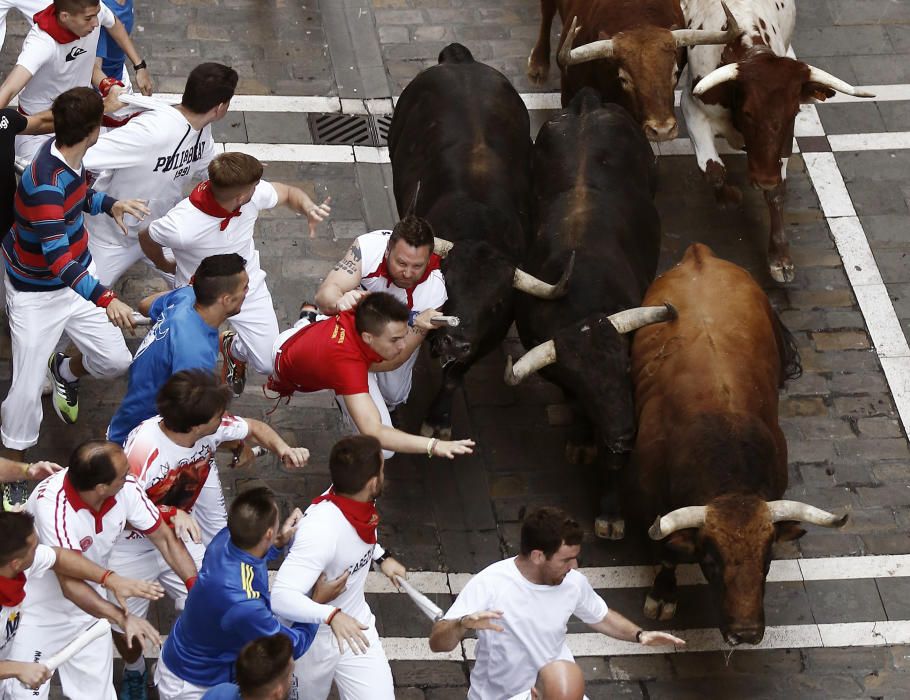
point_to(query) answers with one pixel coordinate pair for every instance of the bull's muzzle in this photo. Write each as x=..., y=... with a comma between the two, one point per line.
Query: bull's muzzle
x=744, y=634
x=448, y=348
x=661, y=130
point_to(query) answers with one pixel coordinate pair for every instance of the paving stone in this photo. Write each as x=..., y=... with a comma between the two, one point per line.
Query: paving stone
x=443, y=673
x=842, y=601
x=277, y=127
x=635, y=668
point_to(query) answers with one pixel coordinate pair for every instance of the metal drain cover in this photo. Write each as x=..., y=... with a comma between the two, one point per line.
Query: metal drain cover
x=350, y=129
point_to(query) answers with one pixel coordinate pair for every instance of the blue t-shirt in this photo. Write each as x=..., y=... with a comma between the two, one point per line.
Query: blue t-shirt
x=110, y=53
x=179, y=339
x=223, y=691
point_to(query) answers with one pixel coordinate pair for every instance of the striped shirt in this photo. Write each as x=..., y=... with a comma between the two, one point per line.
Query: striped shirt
x=47, y=247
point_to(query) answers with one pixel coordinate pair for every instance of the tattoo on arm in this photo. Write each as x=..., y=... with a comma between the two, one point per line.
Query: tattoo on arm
x=351, y=261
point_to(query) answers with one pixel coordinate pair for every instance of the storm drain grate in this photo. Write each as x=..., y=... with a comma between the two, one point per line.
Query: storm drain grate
x=350, y=129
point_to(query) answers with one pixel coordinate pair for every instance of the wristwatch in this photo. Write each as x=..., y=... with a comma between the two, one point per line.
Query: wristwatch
x=140, y=66
x=379, y=560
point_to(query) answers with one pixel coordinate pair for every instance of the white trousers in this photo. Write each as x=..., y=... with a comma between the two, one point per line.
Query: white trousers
x=114, y=259
x=170, y=687
x=89, y=674
x=27, y=146
x=257, y=329
x=36, y=321
x=357, y=676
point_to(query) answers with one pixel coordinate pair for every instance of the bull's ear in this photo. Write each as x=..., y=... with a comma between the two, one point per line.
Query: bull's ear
x=787, y=531
x=683, y=542
x=816, y=91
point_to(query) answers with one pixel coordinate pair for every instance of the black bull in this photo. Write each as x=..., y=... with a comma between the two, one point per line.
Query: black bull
x=460, y=149
x=594, y=181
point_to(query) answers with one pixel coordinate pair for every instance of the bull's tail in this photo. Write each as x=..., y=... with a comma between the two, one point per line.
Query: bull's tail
x=456, y=53
x=790, y=364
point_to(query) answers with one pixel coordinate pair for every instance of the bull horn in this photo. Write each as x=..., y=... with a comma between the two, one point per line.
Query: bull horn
x=694, y=37
x=817, y=75
x=802, y=512
x=679, y=519
x=633, y=319
x=529, y=284
x=534, y=359
x=568, y=56
x=442, y=247
x=730, y=71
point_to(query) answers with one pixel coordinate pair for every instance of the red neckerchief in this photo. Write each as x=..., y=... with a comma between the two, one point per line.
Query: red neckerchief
x=76, y=502
x=202, y=198
x=362, y=516
x=383, y=271
x=47, y=20
x=12, y=591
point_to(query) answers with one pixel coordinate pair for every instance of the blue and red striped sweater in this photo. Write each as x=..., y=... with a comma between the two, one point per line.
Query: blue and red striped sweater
x=47, y=247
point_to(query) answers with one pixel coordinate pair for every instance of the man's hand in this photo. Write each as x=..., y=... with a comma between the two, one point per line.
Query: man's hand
x=185, y=525
x=120, y=314
x=318, y=213
x=482, y=620
x=136, y=628
x=134, y=207
x=288, y=528
x=111, y=101
x=347, y=629
x=656, y=639
x=349, y=300
x=450, y=448
x=32, y=675
x=422, y=320
x=296, y=457
x=124, y=588
x=393, y=569
x=325, y=590
x=39, y=470
x=144, y=81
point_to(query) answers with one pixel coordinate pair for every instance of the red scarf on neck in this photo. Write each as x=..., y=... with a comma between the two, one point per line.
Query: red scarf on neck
x=47, y=20
x=12, y=590
x=362, y=516
x=202, y=198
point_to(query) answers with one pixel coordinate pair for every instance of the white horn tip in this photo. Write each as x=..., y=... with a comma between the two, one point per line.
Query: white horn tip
x=841, y=521
x=654, y=531
x=509, y=376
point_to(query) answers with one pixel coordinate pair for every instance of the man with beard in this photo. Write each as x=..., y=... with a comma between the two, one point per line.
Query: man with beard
x=337, y=535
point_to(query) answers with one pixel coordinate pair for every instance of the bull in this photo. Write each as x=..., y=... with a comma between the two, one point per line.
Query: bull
x=710, y=459
x=749, y=92
x=631, y=52
x=460, y=148
x=594, y=179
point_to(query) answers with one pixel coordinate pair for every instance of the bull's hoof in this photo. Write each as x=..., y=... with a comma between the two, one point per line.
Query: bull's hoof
x=580, y=453
x=429, y=431
x=782, y=271
x=609, y=528
x=538, y=71
x=728, y=196
x=659, y=609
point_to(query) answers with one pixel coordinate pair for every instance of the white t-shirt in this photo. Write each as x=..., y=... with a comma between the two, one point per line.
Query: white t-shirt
x=151, y=157
x=45, y=558
x=429, y=294
x=56, y=68
x=63, y=520
x=534, y=618
x=194, y=235
x=171, y=474
x=28, y=8
x=325, y=542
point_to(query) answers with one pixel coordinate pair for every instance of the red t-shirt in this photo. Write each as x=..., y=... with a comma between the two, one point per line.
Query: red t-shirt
x=328, y=354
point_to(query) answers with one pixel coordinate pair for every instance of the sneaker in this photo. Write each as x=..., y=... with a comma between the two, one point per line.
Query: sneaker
x=66, y=394
x=233, y=372
x=15, y=494
x=134, y=685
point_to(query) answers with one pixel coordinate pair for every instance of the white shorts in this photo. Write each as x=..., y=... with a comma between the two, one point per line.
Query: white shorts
x=170, y=687
x=357, y=676
x=257, y=327
x=112, y=260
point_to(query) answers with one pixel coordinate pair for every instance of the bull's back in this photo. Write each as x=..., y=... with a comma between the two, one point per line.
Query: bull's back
x=613, y=16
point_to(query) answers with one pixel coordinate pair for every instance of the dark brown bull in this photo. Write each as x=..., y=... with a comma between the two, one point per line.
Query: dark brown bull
x=710, y=460
x=631, y=51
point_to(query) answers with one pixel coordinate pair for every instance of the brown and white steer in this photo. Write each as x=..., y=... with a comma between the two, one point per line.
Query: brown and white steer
x=709, y=465
x=749, y=92
x=631, y=51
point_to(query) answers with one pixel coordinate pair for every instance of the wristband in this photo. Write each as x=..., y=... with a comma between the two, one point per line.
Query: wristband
x=25, y=467
x=332, y=615
x=104, y=578
x=237, y=452
x=106, y=298
x=140, y=66
x=379, y=560
x=104, y=87
x=638, y=636
x=411, y=316
x=190, y=582
x=431, y=445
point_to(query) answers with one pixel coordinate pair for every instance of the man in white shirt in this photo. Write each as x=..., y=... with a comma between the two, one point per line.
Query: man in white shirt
x=402, y=263
x=219, y=217
x=520, y=608
x=156, y=153
x=23, y=559
x=172, y=456
x=59, y=54
x=28, y=9
x=85, y=507
x=337, y=536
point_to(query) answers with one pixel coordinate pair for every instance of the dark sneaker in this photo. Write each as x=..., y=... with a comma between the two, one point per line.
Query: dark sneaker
x=66, y=394
x=15, y=494
x=233, y=371
x=134, y=685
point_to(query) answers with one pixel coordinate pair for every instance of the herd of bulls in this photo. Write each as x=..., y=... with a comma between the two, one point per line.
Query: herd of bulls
x=682, y=416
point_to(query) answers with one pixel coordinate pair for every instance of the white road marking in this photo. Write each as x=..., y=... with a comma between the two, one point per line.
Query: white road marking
x=885, y=141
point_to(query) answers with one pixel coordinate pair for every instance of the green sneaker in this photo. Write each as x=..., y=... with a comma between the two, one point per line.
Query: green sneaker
x=66, y=394
x=15, y=494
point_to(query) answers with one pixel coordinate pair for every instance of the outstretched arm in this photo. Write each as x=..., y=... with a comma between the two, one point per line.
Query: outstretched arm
x=340, y=291
x=143, y=77
x=299, y=201
x=615, y=625
x=447, y=634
